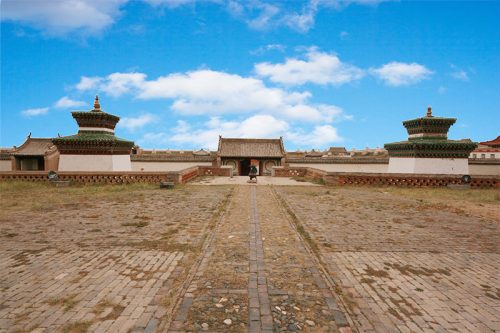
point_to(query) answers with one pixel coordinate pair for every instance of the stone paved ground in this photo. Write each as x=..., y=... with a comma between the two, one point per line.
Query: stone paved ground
x=419, y=261
x=248, y=259
x=244, y=180
x=102, y=259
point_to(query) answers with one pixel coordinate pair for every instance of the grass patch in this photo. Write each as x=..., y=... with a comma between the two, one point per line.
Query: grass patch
x=42, y=197
x=447, y=194
x=376, y=273
x=77, y=327
x=367, y=280
x=106, y=310
x=140, y=224
x=419, y=271
x=67, y=303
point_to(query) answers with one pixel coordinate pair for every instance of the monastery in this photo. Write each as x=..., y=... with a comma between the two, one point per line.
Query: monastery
x=95, y=148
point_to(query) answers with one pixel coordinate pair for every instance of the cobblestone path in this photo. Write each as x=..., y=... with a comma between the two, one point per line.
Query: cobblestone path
x=258, y=276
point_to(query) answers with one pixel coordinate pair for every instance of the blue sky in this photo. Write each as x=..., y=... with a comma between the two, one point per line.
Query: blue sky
x=319, y=73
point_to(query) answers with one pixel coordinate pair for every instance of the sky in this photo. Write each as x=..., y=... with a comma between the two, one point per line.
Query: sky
x=320, y=73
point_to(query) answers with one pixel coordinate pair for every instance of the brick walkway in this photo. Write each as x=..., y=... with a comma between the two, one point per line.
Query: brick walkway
x=104, y=291
x=272, y=285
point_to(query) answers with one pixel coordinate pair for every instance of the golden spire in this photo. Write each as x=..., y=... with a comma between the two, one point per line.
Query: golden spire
x=97, y=106
x=429, y=112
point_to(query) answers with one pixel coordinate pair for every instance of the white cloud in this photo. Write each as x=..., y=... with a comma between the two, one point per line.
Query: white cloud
x=261, y=15
x=212, y=93
x=319, y=67
x=66, y=102
x=460, y=74
x=207, y=136
x=120, y=83
x=401, y=74
x=266, y=48
x=265, y=17
x=304, y=21
x=91, y=17
x=133, y=123
x=343, y=35
x=59, y=17
x=115, y=84
x=169, y=3
x=35, y=112
x=88, y=83
x=320, y=137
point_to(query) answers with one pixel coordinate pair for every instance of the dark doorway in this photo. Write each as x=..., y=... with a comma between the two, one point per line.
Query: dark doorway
x=244, y=167
x=35, y=163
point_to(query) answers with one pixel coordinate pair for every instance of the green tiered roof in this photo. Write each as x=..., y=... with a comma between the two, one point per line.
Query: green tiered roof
x=95, y=136
x=428, y=138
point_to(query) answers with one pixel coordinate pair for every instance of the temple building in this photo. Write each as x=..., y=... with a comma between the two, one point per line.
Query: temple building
x=487, y=149
x=95, y=147
x=35, y=154
x=241, y=154
x=428, y=150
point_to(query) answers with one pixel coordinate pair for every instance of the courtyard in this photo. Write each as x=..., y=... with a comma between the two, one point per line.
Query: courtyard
x=231, y=258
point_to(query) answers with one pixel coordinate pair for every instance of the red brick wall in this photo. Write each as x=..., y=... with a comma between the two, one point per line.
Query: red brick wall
x=96, y=177
x=289, y=172
x=407, y=180
x=214, y=171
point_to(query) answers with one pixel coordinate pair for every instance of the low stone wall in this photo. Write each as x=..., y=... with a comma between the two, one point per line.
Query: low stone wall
x=289, y=172
x=177, y=177
x=214, y=171
x=99, y=177
x=315, y=175
x=407, y=180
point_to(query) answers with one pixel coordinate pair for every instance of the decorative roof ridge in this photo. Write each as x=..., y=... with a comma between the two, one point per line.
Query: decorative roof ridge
x=252, y=140
x=494, y=141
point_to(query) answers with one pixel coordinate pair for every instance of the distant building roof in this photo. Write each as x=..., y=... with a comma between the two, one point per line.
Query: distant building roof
x=232, y=147
x=314, y=153
x=492, y=143
x=337, y=150
x=35, y=147
x=5, y=153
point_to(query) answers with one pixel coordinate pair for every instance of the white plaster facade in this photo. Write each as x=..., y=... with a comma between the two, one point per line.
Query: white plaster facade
x=91, y=163
x=165, y=166
x=347, y=167
x=484, y=169
x=5, y=165
x=439, y=166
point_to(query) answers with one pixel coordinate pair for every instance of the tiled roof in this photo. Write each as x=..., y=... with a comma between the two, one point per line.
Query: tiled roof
x=231, y=147
x=337, y=150
x=34, y=147
x=492, y=143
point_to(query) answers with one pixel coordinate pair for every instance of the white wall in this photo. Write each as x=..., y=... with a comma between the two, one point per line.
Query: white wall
x=5, y=165
x=438, y=166
x=348, y=167
x=487, y=154
x=165, y=166
x=484, y=169
x=94, y=163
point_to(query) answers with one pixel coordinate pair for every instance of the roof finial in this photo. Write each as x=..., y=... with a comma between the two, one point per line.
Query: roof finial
x=429, y=112
x=97, y=106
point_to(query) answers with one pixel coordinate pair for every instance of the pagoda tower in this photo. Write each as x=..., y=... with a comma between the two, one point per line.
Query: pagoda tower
x=95, y=147
x=428, y=150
